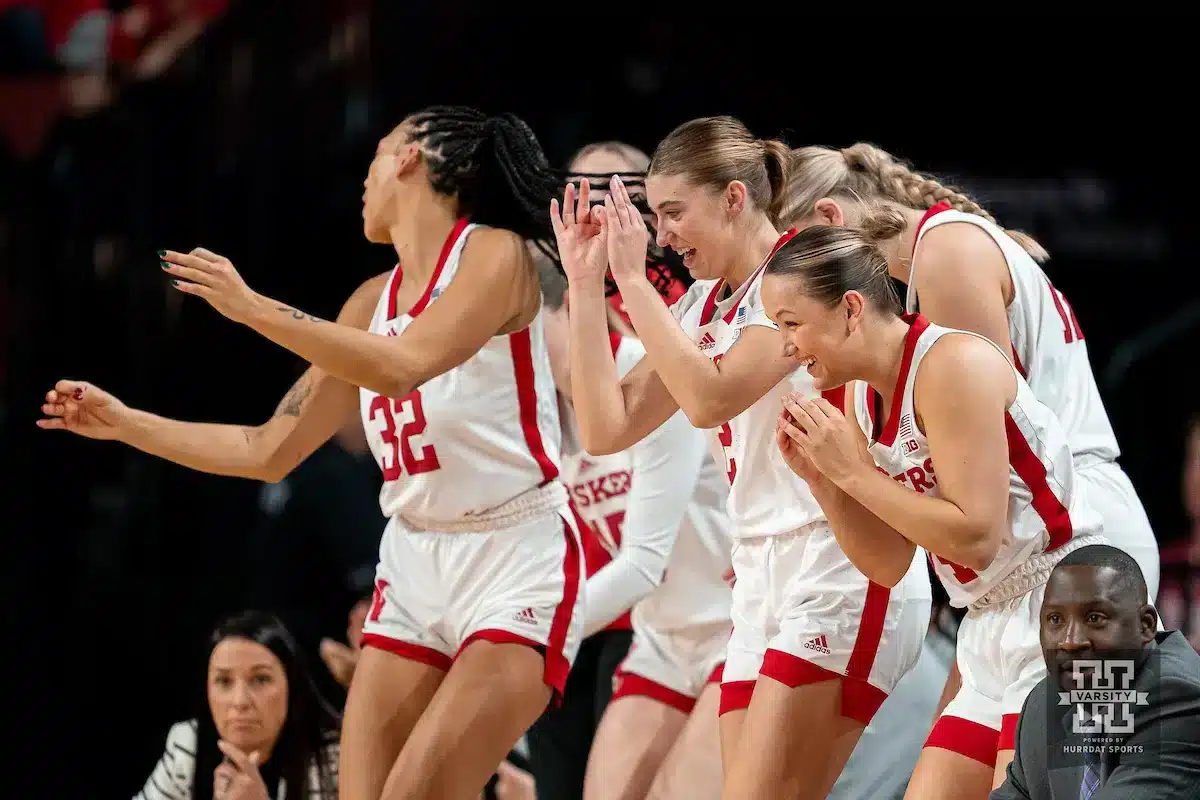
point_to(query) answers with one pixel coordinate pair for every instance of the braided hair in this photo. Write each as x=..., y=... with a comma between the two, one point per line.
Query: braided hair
x=494, y=165
x=869, y=174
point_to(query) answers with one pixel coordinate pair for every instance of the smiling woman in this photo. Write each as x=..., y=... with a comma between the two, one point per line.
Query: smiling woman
x=265, y=733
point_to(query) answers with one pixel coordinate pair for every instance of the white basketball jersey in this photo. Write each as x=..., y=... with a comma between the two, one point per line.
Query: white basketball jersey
x=1046, y=507
x=599, y=485
x=693, y=590
x=766, y=498
x=473, y=438
x=1048, y=346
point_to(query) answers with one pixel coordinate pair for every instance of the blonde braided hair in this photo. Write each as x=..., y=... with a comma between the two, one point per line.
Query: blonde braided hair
x=869, y=174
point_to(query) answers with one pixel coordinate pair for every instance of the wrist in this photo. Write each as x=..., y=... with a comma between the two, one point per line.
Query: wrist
x=259, y=308
x=852, y=482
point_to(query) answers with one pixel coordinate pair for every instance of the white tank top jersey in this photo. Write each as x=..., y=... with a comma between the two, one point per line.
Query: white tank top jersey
x=766, y=498
x=693, y=590
x=1048, y=346
x=473, y=438
x=1046, y=506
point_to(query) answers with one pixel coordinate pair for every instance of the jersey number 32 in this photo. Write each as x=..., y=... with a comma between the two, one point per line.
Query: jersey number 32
x=411, y=415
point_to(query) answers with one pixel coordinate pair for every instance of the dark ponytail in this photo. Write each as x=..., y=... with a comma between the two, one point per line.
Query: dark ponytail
x=495, y=166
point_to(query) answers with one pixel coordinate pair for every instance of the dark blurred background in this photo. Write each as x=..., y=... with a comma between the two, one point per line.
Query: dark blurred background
x=247, y=128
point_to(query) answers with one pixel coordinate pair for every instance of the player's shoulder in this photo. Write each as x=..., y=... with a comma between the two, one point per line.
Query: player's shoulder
x=491, y=248
x=693, y=297
x=960, y=238
x=360, y=307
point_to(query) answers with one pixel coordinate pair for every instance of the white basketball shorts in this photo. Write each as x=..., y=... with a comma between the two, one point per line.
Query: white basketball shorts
x=436, y=592
x=1000, y=661
x=672, y=667
x=802, y=613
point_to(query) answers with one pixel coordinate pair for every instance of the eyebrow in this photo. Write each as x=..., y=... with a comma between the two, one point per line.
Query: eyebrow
x=665, y=203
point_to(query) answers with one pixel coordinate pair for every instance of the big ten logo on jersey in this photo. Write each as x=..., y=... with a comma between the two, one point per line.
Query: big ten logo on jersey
x=919, y=479
x=409, y=412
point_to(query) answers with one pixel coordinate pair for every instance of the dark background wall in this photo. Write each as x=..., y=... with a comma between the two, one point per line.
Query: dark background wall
x=254, y=143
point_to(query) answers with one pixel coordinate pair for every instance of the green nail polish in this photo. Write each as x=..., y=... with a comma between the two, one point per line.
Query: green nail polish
x=161, y=253
x=174, y=283
x=163, y=264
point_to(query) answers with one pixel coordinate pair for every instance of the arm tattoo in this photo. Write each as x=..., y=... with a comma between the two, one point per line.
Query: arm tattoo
x=298, y=314
x=293, y=401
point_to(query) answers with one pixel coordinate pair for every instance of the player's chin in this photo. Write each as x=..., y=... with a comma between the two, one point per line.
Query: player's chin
x=376, y=235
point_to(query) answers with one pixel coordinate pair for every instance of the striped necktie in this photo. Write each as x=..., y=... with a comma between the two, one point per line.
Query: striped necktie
x=1091, y=778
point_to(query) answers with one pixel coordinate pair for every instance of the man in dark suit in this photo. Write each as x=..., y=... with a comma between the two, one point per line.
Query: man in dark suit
x=1098, y=635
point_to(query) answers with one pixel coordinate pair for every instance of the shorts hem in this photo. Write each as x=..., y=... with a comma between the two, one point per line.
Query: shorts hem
x=633, y=685
x=554, y=673
x=1008, y=732
x=860, y=698
x=735, y=696
x=974, y=740
x=408, y=650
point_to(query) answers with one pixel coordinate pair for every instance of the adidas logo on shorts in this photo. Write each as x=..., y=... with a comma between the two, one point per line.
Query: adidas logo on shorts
x=707, y=342
x=527, y=616
x=819, y=644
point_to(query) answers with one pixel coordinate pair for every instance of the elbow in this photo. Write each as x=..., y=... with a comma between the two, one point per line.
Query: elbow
x=981, y=544
x=705, y=416
x=889, y=576
x=598, y=443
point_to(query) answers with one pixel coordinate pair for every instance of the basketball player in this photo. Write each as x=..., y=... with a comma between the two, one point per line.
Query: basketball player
x=815, y=647
x=1004, y=295
x=598, y=162
x=478, y=607
x=959, y=458
x=660, y=507
x=979, y=277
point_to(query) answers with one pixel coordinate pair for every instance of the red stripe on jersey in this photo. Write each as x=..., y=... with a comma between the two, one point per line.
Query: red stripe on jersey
x=710, y=303
x=836, y=397
x=937, y=208
x=614, y=341
x=1032, y=473
x=522, y=356
x=784, y=239
x=419, y=306
x=917, y=325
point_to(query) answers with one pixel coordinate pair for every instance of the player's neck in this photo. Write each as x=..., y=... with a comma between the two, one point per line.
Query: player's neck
x=899, y=251
x=419, y=235
x=755, y=246
x=884, y=345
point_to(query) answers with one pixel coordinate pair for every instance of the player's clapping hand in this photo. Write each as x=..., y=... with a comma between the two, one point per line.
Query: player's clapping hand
x=84, y=409
x=628, y=235
x=787, y=433
x=580, y=232
x=212, y=278
x=824, y=437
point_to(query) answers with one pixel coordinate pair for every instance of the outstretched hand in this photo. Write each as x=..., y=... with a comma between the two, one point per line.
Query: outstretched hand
x=628, y=235
x=84, y=409
x=212, y=278
x=581, y=234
